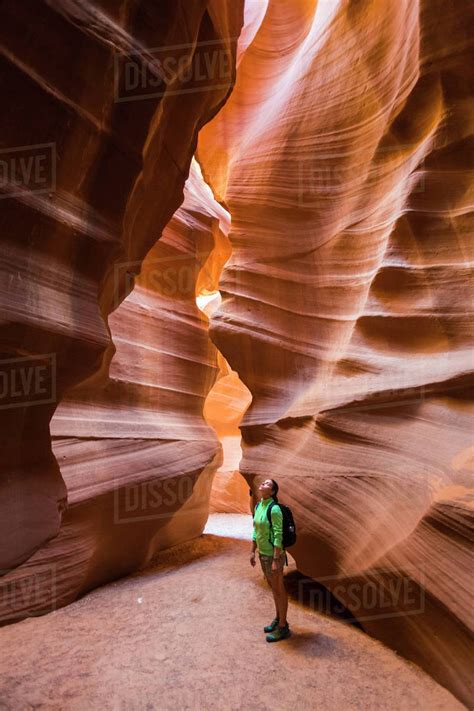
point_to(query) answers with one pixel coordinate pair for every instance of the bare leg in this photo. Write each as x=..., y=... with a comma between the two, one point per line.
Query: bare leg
x=283, y=602
x=281, y=596
x=275, y=595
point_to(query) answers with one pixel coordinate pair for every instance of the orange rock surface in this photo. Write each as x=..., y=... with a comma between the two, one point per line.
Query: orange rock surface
x=340, y=343
x=341, y=156
x=130, y=443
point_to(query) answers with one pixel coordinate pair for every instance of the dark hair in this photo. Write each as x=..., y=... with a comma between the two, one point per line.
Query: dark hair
x=275, y=490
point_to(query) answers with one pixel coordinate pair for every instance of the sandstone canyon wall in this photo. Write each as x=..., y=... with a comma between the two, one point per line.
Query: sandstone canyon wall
x=130, y=447
x=342, y=156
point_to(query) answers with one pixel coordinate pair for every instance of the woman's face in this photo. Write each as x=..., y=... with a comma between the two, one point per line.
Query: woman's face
x=266, y=488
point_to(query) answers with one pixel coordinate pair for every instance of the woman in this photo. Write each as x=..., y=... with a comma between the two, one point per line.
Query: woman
x=272, y=556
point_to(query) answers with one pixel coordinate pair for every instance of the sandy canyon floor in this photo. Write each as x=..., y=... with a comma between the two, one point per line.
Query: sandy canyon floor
x=187, y=633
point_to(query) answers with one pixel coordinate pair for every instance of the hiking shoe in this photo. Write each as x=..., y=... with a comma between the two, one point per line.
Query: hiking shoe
x=279, y=633
x=272, y=625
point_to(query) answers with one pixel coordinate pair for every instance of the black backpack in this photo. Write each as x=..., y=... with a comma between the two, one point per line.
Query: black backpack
x=289, y=526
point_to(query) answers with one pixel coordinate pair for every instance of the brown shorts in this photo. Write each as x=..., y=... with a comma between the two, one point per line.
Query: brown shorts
x=266, y=563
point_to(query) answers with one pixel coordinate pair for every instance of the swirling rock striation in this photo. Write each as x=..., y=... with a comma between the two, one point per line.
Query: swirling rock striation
x=342, y=158
x=119, y=153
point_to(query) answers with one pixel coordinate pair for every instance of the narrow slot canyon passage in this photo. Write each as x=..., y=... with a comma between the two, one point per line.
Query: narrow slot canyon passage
x=236, y=245
x=186, y=632
x=223, y=410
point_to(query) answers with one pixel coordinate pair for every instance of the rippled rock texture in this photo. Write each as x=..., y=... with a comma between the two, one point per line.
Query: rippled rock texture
x=113, y=143
x=342, y=156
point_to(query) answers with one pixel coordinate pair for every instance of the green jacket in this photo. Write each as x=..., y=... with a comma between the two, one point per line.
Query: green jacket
x=262, y=530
